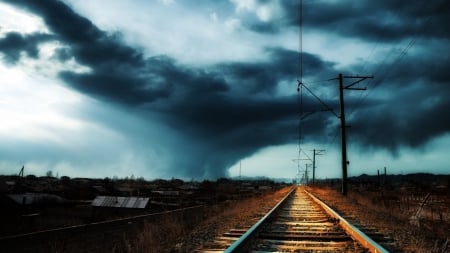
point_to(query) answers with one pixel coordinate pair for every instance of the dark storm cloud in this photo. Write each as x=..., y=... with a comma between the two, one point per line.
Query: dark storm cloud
x=233, y=121
x=422, y=115
x=249, y=102
x=413, y=75
x=264, y=77
x=13, y=44
x=394, y=20
x=197, y=102
x=409, y=103
x=116, y=69
x=406, y=104
x=381, y=21
x=230, y=110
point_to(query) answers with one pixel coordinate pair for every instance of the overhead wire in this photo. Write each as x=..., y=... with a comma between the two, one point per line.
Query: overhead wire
x=363, y=95
x=384, y=69
x=389, y=68
x=320, y=101
x=300, y=74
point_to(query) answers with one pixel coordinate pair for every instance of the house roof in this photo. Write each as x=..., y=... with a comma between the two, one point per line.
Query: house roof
x=123, y=202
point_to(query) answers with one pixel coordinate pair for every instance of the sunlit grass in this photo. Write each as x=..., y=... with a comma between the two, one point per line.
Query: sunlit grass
x=172, y=235
x=391, y=215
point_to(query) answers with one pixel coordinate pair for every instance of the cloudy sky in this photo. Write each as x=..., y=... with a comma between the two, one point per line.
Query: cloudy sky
x=205, y=89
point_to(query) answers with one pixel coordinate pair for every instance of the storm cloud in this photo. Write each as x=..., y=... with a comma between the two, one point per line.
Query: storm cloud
x=15, y=43
x=229, y=110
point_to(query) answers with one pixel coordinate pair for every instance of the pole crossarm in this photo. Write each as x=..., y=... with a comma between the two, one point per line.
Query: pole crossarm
x=318, y=99
x=361, y=78
x=306, y=114
x=319, y=151
x=353, y=77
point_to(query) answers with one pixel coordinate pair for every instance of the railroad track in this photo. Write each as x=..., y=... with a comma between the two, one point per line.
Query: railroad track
x=299, y=223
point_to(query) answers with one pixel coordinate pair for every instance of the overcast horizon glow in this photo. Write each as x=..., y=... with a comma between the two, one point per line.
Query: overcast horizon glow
x=207, y=89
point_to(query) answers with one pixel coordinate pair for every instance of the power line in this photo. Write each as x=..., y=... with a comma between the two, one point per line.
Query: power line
x=300, y=63
x=300, y=103
x=384, y=68
x=388, y=69
x=300, y=39
x=393, y=16
x=318, y=99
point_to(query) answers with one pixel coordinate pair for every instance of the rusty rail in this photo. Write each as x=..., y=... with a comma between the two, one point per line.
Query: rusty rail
x=353, y=231
x=243, y=243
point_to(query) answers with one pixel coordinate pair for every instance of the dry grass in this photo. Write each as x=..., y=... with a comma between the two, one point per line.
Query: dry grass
x=392, y=218
x=169, y=235
x=157, y=237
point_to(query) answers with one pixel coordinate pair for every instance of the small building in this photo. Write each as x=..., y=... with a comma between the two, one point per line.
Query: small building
x=7, y=186
x=188, y=187
x=99, y=189
x=37, y=199
x=166, y=193
x=122, y=202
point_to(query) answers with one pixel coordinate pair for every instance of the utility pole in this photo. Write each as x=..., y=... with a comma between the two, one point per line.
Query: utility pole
x=315, y=152
x=343, y=124
x=378, y=178
x=306, y=172
x=240, y=169
x=21, y=171
x=298, y=166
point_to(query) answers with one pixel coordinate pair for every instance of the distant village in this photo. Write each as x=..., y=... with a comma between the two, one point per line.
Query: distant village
x=131, y=192
x=30, y=203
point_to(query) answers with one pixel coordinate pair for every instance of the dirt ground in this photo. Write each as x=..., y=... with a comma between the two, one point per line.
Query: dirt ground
x=238, y=214
x=391, y=214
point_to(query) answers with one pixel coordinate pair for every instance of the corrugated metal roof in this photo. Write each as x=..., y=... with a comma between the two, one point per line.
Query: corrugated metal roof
x=124, y=202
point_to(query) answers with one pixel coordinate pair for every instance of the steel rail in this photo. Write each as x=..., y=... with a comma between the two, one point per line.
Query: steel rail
x=243, y=243
x=351, y=230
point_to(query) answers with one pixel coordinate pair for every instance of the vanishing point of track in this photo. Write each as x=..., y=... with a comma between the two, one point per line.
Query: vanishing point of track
x=299, y=223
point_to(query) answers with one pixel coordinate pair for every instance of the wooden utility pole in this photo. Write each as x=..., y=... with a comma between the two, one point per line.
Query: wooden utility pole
x=240, y=169
x=315, y=152
x=298, y=165
x=343, y=124
x=306, y=172
x=21, y=171
x=378, y=178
